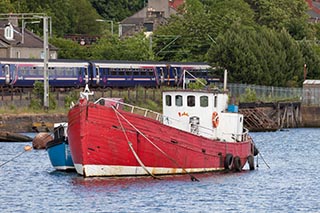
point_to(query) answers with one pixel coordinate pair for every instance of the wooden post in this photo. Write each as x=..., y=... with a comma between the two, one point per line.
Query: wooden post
x=2, y=93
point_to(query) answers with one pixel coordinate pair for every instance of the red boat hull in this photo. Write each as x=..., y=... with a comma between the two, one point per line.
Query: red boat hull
x=104, y=144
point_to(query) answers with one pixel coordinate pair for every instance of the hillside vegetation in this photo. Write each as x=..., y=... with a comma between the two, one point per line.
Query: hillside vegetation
x=258, y=41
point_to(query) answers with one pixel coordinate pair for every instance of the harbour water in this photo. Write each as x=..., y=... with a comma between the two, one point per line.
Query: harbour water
x=28, y=183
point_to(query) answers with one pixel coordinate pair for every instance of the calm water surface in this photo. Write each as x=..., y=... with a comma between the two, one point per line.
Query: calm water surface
x=292, y=184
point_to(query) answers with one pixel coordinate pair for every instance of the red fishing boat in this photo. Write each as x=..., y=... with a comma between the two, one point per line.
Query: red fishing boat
x=197, y=132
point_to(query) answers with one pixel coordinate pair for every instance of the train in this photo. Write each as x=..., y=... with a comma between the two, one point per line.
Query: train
x=62, y=73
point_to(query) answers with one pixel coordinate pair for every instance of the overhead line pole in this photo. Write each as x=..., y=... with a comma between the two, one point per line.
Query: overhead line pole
x=45, y=63
x=45, y=18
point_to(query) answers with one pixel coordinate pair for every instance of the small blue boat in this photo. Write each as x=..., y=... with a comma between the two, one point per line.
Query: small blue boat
x=58, y=149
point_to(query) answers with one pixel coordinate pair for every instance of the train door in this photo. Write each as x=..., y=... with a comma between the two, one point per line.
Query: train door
x=176, y=74
x=7, y=74
x=86, y=75
x=97, y=75
x=94, y=74
x=164, y=75
x=83, y=76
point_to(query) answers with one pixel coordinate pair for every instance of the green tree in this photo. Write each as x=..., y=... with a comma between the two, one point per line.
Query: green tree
x=133, y=48
x=189, y=35
x=6, y=6
x=69, y=49
x=278, y=14
x=310, y=51
x=68, y=16
x=257, y=56
x=117, y=10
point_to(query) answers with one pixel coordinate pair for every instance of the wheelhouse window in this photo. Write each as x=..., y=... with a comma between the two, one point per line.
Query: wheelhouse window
x=168, y=100
x=204, y=101
x=178, y=100
x=191, y=100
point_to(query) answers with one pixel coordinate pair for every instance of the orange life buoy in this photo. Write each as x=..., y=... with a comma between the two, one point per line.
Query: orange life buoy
x=215, y=119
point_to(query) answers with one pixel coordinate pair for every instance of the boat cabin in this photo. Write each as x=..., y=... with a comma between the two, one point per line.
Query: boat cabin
x=202, y=113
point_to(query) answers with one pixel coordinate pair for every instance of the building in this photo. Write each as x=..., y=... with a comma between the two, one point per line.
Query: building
x=311, y=92
x=154, y=14
x=18, y=42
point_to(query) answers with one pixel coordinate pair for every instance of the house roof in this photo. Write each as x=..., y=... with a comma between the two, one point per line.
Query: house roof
x=310, y=81
x=31, y=40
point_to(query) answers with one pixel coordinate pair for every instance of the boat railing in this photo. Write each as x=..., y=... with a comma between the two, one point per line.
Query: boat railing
x=119, y=104
x=244, y=136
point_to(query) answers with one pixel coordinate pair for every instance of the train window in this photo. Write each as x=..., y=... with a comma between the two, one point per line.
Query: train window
x=143, y=72
x=34, y=72
x=106, y=72
x=135, y=72
x=168, y=100
x=51, y=72
x=179, y=100
x=113, y=71
x=194, y=73
x=121, y=72
x=150, y=72
x=72, y=71
x=60, y=72
x=191, y=100
x=204, y=101
x=128, y=72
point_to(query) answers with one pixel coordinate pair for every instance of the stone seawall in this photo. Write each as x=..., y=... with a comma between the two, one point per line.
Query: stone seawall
x=310, y=117
x=30, y=122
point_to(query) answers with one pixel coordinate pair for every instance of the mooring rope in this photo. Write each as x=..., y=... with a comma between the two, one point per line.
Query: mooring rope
x=26, y=149
x=165, y=154
x=259, y=153
x=131, y=148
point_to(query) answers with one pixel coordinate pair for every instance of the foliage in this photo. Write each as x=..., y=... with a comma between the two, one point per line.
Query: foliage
x=69, y=49
x=249, y=96
x=257, y=55
x=263, y=42
x=71, y=98
x=37, y=102
x=133, y=48
x=198, y=84
x=117, y=10
x=68, y=16
x=279, y=14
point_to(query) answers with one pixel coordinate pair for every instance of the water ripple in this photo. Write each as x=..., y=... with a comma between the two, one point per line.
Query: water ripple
x=30, y=184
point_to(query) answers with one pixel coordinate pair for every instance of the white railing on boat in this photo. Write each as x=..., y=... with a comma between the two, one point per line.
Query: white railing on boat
x=118, y=104
x=239, y=137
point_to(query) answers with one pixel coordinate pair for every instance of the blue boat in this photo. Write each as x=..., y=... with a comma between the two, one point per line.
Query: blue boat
x=58, y=149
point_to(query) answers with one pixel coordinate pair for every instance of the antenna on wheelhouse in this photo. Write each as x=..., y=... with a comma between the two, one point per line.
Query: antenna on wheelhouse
x=184, y=80
x=225, y=80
